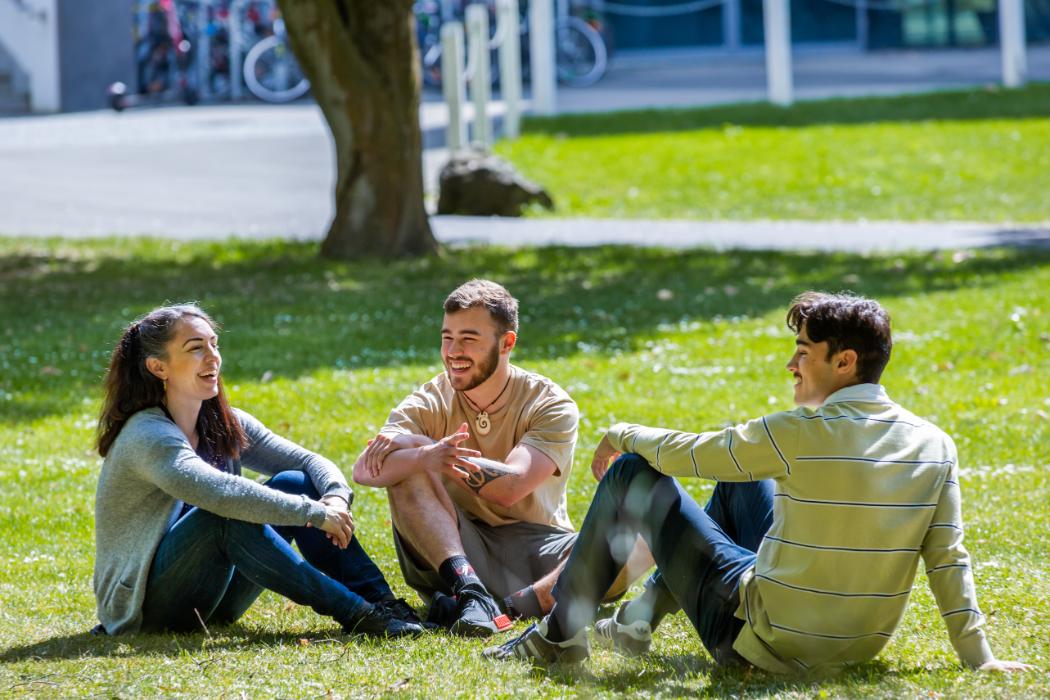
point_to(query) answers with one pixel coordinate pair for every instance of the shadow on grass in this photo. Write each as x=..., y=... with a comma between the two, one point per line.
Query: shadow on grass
x=288, y=313
x=965, y=105
x=665, y=675
x=231, y=638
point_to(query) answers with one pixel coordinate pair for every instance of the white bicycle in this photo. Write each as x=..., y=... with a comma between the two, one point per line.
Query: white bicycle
x=271, y=71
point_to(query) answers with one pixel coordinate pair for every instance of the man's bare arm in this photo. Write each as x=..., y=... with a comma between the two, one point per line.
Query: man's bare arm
x=372, y=462
x=506, y=483
x=388, y=461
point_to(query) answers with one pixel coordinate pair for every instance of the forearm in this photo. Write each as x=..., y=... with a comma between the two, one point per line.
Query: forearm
x=496, y=482
x=397, y=466
x=193, y=481
x=745, y=452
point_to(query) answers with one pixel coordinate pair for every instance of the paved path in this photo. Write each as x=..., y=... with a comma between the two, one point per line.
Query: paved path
x=752, y=235
x=258, y=170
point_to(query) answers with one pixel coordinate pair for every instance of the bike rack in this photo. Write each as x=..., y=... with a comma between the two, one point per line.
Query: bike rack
x=476, y=72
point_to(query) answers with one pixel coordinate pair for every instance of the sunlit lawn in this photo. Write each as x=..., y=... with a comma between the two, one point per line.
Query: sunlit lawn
x=980, y=155
x=320, y=351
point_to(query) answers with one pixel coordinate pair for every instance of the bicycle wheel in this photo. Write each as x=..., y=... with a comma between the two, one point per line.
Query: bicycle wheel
x=271, y=72
x=580, y=53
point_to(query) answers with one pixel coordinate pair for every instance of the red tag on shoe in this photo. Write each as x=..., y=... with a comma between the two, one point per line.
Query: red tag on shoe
x=502, y=622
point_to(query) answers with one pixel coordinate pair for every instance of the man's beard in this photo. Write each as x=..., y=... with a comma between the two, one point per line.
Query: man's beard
x=485, y=369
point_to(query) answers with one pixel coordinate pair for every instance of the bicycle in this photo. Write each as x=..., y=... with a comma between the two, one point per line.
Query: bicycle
x=163, y=55
x=581, y=54
x=270, y=70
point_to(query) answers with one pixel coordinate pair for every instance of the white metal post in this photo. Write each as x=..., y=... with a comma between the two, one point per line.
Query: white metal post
x=541, y=56
x=453, y=84
x=202, y=51
x=510, y=66
x=1012, y=42
x=777, y=23
x=480, y=83
x=860, y=19
x=731, y=24
x=233, y=31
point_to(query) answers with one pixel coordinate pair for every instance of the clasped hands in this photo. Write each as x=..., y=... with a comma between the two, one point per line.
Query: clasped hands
x=338, y=523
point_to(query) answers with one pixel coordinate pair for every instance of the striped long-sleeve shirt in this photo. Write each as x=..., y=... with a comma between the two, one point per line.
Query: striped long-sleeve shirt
x=864, y=489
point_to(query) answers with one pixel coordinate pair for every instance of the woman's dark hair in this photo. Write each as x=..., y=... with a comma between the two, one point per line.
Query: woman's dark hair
x=130, y=386
x=846, y=322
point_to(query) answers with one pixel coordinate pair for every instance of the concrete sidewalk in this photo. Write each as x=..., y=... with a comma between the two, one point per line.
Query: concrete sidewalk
x=867, y=237
x=268, y=171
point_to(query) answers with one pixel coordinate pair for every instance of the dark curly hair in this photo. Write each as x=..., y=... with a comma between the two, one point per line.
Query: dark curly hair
x=846, y=322
x=500, y=304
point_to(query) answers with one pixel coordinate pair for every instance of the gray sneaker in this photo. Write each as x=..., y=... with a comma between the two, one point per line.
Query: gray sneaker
x=630, y=640
x=534, y=646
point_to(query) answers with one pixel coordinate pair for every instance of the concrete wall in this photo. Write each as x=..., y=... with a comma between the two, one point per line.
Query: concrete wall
x=28, y=31
x=95, y=50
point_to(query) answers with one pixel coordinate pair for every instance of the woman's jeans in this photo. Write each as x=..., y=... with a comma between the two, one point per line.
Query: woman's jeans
x=700, y=553
x=215, y=568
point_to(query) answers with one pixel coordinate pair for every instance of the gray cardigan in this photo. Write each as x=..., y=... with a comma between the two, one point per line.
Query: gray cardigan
x=148, y=474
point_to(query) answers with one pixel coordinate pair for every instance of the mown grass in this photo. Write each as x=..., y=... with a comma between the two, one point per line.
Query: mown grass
x=979, y=155
x=320, y=351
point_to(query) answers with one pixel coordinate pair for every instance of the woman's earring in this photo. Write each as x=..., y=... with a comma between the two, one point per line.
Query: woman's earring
x=165, y=385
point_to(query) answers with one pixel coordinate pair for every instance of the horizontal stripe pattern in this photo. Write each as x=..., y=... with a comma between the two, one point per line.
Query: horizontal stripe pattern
x=863, y=490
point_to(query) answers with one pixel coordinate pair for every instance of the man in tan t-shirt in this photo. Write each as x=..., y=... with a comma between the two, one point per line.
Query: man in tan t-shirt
x=475, y=463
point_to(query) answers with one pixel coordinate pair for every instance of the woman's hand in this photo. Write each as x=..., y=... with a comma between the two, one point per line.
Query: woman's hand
x=338, y=523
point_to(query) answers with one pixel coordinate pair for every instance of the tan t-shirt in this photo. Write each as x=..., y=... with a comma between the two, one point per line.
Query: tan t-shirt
x=538, y=413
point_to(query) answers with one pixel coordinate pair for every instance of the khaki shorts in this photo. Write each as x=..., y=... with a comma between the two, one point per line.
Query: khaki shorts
x=506, y=558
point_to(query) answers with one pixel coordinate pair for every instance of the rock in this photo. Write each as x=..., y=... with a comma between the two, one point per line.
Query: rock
x=477, y=183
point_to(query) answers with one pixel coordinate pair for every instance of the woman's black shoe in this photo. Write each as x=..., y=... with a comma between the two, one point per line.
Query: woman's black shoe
x=381, y=622
x=400, y=609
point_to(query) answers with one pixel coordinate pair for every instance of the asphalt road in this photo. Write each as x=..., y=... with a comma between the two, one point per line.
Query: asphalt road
x=267, y=171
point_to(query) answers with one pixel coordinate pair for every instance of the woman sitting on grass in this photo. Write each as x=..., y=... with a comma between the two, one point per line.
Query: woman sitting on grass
x=182, y=539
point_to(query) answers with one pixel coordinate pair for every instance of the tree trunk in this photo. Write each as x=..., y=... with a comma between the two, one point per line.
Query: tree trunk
x=362, y=61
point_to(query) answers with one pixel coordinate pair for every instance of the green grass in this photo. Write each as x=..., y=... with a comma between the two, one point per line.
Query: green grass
x=320, y=351
x=979, y=155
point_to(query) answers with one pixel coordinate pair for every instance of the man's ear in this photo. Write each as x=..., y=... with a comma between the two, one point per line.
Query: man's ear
x=845, y=362
x=156, y=368
x=509, y=340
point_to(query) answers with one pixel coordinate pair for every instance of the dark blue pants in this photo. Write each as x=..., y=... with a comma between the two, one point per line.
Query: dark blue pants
x=700, y=553
x=217, y=567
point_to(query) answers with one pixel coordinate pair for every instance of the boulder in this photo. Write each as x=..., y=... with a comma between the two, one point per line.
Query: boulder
x=477, y=183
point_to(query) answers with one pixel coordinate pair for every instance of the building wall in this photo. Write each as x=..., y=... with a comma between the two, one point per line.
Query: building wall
x=27, y=31
x=95, y=49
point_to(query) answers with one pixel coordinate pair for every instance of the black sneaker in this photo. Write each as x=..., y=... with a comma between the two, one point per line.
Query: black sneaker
x=442, y=611
x=630, y=640
x=400, y=609
x=381, y=622
x=477, y=614
x=534, y=646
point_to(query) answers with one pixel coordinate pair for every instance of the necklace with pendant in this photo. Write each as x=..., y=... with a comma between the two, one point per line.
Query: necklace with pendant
x=482, y=422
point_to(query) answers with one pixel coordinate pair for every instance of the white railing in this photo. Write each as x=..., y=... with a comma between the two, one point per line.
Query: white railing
x=29, y=33
x=475, y=69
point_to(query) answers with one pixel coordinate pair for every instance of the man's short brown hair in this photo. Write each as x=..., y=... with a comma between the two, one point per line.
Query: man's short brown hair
x=500, y=304
x=846, y=322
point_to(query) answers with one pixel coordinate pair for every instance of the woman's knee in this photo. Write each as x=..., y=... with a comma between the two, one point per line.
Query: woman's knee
x=294, y=482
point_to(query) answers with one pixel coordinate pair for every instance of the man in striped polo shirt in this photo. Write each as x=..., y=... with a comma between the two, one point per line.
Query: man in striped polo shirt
x=805, y=555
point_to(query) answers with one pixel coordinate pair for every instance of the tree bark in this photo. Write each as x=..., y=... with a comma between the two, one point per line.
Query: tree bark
x=362, y=61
